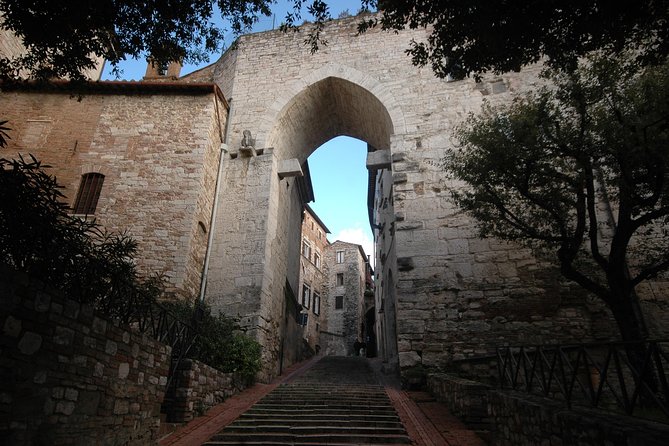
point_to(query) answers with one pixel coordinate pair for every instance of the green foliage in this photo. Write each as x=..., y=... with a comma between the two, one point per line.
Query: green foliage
x=541, y=170
x=63, y=37
x=39, y=237
x=4, y=136
x=465, y=37
x=477, y=37
x=219, y=344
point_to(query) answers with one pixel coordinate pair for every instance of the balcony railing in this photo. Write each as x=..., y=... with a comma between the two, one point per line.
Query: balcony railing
x=629, y=377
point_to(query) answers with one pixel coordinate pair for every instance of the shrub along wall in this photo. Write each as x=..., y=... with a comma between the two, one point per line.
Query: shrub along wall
x=68, y=377
x=516, y=419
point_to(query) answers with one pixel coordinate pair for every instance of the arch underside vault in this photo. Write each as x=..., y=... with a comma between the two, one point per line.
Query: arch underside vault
x=327, y=109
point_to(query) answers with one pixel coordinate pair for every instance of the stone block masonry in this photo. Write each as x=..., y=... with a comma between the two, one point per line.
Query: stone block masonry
x=69, y=377
x=156, y=145
x=446, y=294
x=199, y=387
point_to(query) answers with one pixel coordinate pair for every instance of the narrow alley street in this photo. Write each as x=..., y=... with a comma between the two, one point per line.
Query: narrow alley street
x=327, y=400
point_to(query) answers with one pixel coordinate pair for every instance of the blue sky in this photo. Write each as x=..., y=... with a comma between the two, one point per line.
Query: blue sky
x=337, y=168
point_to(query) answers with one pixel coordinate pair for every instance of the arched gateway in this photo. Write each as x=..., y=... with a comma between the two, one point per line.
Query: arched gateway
x=442, y=294
x=330, y=101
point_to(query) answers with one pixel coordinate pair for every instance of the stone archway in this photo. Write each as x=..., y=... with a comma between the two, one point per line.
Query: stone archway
x=327, y=108
x=364, y=94
x=258, y=257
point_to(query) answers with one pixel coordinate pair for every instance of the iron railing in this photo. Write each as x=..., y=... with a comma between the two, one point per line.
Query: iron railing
x=162, y=325
x=624, y=376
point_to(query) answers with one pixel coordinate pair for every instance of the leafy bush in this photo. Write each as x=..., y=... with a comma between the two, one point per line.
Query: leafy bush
x=39, y=237
x=219, y=344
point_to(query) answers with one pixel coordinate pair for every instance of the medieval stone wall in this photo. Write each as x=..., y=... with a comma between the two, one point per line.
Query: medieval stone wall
x=69, y=377
x=456, y=296
x=385, y=269
x=197, y=388
x=158, y=153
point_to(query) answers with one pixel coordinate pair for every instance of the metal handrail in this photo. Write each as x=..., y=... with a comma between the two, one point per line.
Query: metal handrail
x=624, y=376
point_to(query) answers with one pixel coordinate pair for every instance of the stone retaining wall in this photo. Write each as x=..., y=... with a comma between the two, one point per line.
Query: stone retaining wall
x=199, y=387
x=68, y=377
x=516, y=419
x=467, y=400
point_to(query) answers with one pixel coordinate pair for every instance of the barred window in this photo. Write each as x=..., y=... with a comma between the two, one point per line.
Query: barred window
x=89, y=193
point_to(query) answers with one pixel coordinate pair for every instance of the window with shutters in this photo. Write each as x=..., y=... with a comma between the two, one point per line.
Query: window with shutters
x=88, y=194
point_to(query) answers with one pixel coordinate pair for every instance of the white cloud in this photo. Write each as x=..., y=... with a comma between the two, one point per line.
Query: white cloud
x=359, y=237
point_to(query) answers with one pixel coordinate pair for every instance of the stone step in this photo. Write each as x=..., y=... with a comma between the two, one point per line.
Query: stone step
x=283, y=443
x=322, y=439
x=306, y=394
x=315, y=395
x=372, y=420
x=256, y=422
x=338, y=402
x=343, y=405
x=298, y=401
x=299, y=412
x=313, y=430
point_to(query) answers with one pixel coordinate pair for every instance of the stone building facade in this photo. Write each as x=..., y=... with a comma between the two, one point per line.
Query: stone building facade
x=443, y=294
x=346, y=268
x=312, y=277
x=155, y=149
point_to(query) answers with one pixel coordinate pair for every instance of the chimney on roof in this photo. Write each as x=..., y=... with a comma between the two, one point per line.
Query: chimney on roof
x=153, y=71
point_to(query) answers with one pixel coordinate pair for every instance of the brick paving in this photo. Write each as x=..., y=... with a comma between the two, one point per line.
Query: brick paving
x=428, y=422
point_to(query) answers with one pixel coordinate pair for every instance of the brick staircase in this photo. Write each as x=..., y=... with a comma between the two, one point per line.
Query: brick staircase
x=337, y=402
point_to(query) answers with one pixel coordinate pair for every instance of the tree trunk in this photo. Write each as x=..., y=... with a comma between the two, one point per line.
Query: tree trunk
x=629, y=317
x=628, y=314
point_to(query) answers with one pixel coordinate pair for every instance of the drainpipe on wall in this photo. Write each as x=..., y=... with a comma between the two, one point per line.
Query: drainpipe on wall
x=214, y=210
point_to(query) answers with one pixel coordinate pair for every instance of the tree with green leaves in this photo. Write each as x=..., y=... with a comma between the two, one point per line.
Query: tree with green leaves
x=63, y=38
x=580, y=170
x=465, y=38
x=478, y=36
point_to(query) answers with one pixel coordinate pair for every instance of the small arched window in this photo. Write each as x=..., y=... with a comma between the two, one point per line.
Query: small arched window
x=89, y=193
